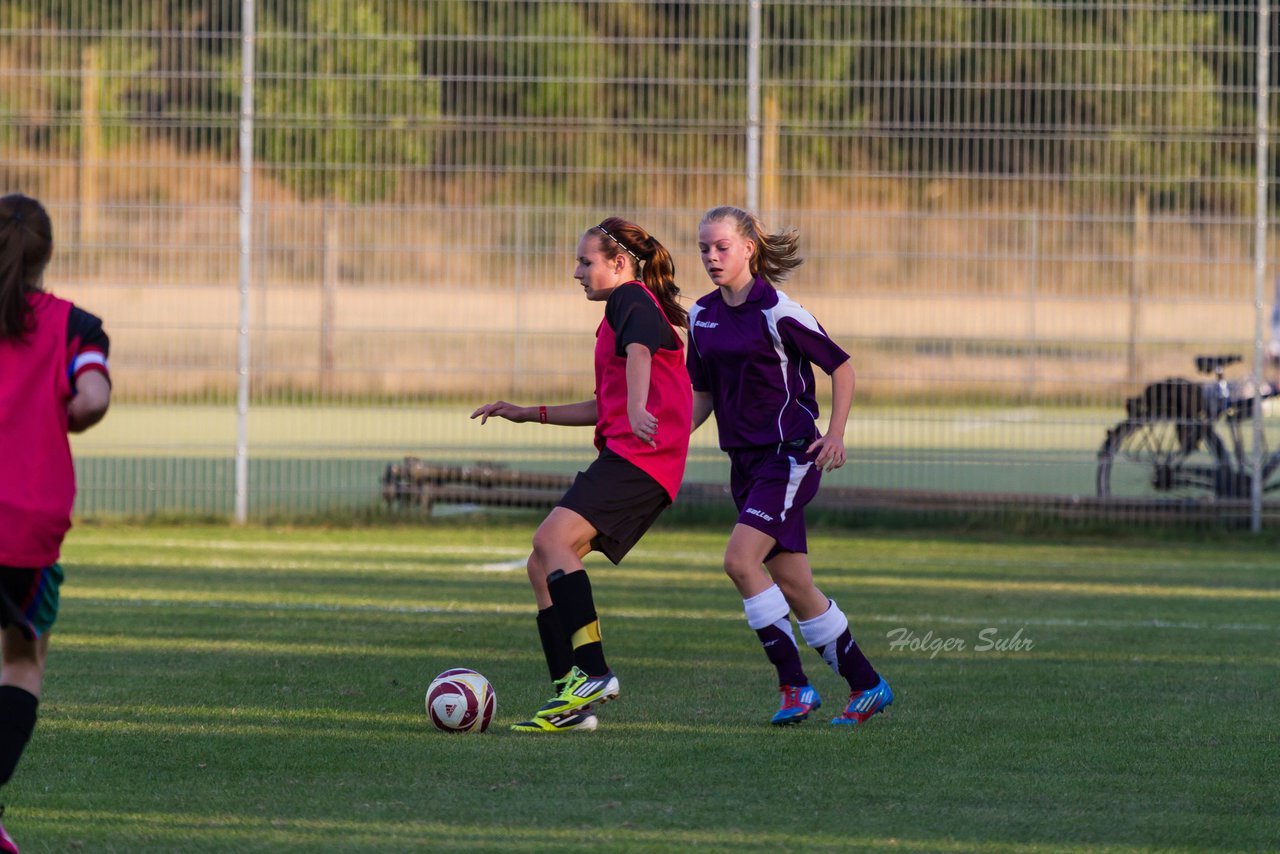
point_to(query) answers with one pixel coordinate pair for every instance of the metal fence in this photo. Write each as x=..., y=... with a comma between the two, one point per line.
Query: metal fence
x=320, y=233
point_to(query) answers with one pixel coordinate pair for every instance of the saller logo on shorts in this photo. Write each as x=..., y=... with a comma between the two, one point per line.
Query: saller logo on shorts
x=763, y=515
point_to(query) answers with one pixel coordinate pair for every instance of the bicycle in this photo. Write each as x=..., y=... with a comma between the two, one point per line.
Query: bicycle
x=1190, y=440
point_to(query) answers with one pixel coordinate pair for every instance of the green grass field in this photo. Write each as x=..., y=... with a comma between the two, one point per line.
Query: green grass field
x=219, y=690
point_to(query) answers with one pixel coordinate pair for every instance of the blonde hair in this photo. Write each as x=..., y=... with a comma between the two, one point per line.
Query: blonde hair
x=776, y=255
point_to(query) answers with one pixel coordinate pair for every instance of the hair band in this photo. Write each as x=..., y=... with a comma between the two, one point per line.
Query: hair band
x=620, y=243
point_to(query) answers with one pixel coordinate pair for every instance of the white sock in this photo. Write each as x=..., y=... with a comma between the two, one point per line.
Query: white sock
x=822, y=632
x=769, y=608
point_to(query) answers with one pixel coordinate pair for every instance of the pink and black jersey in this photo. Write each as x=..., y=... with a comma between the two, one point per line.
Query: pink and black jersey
x=37, y=478
x=633, y=315
x=756, y=360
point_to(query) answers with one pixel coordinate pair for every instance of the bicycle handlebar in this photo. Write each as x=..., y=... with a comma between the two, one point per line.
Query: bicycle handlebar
x=1215, y=364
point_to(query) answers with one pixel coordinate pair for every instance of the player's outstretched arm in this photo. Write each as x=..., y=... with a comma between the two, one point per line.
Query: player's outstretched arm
x=581, y=414
x=93, y=396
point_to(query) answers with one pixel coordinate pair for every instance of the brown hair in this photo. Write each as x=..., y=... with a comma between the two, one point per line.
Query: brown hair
x=26, y=244
x=776, y=255
x=617, y=235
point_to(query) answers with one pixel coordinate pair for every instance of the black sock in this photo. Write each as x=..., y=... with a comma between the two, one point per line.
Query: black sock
x=17, y=720
x=571, y=593
x=555, y=643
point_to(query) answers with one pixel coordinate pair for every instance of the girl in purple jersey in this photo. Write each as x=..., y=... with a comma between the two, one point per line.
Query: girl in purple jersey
x=641, y=413
x=751, y=355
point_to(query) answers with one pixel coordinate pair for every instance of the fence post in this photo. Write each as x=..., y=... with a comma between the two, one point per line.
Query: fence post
x=753, y=105
x=90, y=154
x=246, y=259
x=1259, y=257
x=330, y=241
x=1138, y=275
x=1033, y=274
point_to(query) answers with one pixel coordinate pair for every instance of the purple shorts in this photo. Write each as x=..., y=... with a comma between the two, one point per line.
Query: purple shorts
x=771, y=487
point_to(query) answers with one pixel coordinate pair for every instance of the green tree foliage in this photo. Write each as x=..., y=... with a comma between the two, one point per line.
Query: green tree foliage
x=1114, y=94
x=1158, y=102
x=1156, y=99
x=340, y=103
x=148, y=63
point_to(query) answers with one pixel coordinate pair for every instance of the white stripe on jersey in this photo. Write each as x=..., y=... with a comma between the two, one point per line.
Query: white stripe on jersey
x=694, y=311
x=791, y=310
x=87, y=358
x=787, y=307
x=793, y=486
x=771, y=322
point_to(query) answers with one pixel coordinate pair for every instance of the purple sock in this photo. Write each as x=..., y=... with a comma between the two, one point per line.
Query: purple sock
x=781, y=648
x=853, y=665
x=769, y=616
x=829, y=634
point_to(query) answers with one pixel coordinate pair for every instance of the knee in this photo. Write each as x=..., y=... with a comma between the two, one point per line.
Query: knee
x=792, y=588
x=738, y=567
x=544, y=542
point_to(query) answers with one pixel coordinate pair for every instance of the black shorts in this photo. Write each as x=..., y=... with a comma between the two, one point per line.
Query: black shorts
x=29, y=598
x=619, y=500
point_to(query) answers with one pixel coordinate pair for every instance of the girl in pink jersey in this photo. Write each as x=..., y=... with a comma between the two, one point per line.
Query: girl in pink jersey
x=641, y=413
x=53, y=378
x=751, y=355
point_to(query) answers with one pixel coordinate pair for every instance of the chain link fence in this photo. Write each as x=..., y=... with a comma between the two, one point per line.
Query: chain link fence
x=1015, y=216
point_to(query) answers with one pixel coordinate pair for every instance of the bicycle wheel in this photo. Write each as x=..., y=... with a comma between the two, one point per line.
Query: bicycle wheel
x=1164, y=459
x=1238, y=431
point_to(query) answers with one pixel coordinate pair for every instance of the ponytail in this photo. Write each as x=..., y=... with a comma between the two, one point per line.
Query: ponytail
x=776, y=255
x=651, y=260
x=26, y=244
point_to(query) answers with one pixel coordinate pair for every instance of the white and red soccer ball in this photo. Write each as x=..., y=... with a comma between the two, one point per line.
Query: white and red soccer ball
x=461, y=700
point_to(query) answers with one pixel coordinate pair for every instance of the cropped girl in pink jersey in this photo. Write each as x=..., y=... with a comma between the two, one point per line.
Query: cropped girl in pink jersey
x=641, y=413
x=751, y=355
x=53, y=379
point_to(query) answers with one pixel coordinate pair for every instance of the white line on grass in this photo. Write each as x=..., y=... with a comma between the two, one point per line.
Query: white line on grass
x=506, y=566
x=272, y=546
x=897, y=619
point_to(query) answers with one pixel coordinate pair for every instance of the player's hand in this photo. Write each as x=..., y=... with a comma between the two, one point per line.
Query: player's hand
x=830, y=450
x=502, y=409
x=644, y=425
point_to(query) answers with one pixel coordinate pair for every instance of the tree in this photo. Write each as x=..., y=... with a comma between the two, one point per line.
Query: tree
x=340, y=103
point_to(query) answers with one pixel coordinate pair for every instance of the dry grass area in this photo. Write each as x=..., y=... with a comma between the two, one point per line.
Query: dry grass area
x=935, y=294
x=427, y=341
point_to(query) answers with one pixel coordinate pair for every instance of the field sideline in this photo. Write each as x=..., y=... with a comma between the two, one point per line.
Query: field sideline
x=215, y=689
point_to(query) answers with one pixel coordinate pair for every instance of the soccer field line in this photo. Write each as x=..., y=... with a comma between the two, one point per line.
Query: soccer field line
x=185, y=827
x=518, y=555
x=274, y=546
x=649, y=614
x=932, y=582
x=712, y=556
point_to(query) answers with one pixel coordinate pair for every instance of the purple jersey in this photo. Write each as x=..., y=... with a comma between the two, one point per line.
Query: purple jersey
x=756, y=360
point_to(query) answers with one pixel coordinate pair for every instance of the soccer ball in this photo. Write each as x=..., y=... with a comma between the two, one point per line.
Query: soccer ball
x=461, y=700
